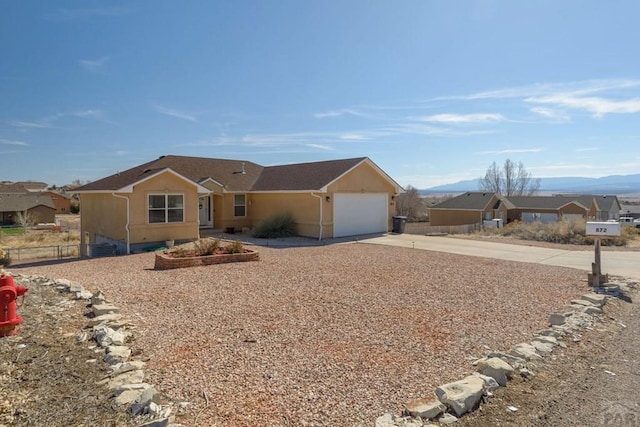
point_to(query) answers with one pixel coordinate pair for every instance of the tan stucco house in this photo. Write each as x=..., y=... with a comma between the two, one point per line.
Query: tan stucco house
x=174, y=197
x=476, y=207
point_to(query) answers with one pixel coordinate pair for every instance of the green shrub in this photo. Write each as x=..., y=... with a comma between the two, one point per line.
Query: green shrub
x=281, y=225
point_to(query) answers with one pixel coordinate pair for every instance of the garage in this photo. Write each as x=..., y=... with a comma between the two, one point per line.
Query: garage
x=545, y=218
x=355, y=214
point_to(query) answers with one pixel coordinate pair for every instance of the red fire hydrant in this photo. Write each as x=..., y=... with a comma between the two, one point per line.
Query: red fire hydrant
x=9, y=317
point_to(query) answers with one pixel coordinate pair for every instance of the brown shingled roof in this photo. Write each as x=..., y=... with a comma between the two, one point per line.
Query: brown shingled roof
x=197, y=169
x=303, y=176
x=235, y=175
x=23, y=202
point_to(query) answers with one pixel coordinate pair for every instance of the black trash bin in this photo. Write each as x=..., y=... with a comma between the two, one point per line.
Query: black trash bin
x=398, y=224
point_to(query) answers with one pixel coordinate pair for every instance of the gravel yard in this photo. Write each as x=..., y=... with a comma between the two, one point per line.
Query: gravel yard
x=333, y=335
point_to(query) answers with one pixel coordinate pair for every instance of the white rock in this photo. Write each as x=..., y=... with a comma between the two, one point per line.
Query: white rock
x=117, y=354
x=121, y=368
x=101, y=309
x=525, y=351
x=126, y=378
x=127, y=396
x=462, y=396
x=428, y=407
x=542, y=347
x=105, y=318
x=497, y=369
x=595, y=299
x=592, y=310
x=386, y=420
x=557, y=319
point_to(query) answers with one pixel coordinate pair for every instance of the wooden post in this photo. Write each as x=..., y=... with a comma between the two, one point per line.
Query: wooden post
x=596, y=267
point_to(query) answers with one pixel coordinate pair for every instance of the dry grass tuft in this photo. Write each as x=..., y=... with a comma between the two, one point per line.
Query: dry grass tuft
x=565, y=232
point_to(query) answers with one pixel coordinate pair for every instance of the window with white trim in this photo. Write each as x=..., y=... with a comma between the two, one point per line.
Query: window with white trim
x=166, y=208
x=240, y=205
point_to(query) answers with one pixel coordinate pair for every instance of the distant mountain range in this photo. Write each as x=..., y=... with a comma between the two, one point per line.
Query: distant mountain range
x=613, y=184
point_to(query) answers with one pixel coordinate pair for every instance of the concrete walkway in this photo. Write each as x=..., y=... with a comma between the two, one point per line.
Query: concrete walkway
x=621, y=263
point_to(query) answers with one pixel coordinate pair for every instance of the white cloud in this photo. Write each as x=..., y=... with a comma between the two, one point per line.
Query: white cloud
x=578, y=88
x=12, y=142
x=552, y=114
x=25, y=124
x=93, y=64
x=513, y=151
x=175, y=113
x=89, y=114
x=352, y=136
x=321, y=147
x=464, y=118
x=598, y=106
x=341, y=112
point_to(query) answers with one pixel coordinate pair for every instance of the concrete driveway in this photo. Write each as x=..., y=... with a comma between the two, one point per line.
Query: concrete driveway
x=621, y=263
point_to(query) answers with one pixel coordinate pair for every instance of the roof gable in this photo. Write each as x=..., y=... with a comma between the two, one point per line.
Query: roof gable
x=23, y=202
x=472, y=200
x=236, y=175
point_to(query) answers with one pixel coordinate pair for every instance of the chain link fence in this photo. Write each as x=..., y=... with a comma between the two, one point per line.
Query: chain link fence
x=39, y=252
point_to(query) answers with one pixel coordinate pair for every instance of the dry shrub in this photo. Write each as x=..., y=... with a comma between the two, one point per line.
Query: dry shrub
x=567, y=232
x=5, y=259
x=41, y=238
x=234, y=247
x=205, y=247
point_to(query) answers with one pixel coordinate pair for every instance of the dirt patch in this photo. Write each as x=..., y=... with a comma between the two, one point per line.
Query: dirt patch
x=593, y=382
x=48, y=377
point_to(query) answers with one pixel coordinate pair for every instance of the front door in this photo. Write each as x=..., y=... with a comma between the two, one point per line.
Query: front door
x=205, y=211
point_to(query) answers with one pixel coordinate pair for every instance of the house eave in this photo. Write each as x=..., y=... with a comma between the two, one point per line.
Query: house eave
x=398, y=187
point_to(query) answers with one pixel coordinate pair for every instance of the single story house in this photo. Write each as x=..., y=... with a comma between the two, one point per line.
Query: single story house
x=474, y=207
x=468, y=208
x=61, y=202
x=173, y=197
x=39, y=208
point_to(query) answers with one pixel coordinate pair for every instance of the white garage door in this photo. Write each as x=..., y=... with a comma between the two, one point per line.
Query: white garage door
x=355, y=214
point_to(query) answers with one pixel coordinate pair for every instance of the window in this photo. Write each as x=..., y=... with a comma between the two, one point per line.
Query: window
x=166, y=208
x=240, y=205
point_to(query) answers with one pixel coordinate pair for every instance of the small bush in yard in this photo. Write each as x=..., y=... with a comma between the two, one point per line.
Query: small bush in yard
x=205, y=247
x=234, y=247
x=281, y=225
x=5, y=259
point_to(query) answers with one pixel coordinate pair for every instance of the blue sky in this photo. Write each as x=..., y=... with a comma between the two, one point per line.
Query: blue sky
x=431, y=91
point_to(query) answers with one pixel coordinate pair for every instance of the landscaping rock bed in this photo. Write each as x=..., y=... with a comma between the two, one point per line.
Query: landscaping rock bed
x=333, y=335
x=164, y=261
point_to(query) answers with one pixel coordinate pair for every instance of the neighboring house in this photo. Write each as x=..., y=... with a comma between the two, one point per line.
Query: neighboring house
x=467, y=208
x=22, y=187
x=60, y=201
x=172, y=197
x=39, y=208
x=474, y=207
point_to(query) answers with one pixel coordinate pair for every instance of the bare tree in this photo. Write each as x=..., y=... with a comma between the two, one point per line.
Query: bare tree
x=512, y=180
x=26, y=219
x=410, y=204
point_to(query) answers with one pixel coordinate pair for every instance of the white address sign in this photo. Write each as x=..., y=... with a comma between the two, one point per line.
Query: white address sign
x=603, y=228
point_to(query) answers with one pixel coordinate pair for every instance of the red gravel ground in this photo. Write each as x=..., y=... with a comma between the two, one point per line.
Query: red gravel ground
x=334, y=335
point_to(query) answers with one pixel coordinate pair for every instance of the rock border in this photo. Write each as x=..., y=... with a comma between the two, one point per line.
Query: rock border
x=108, y=336
x=451, y=401
x=166, y=262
